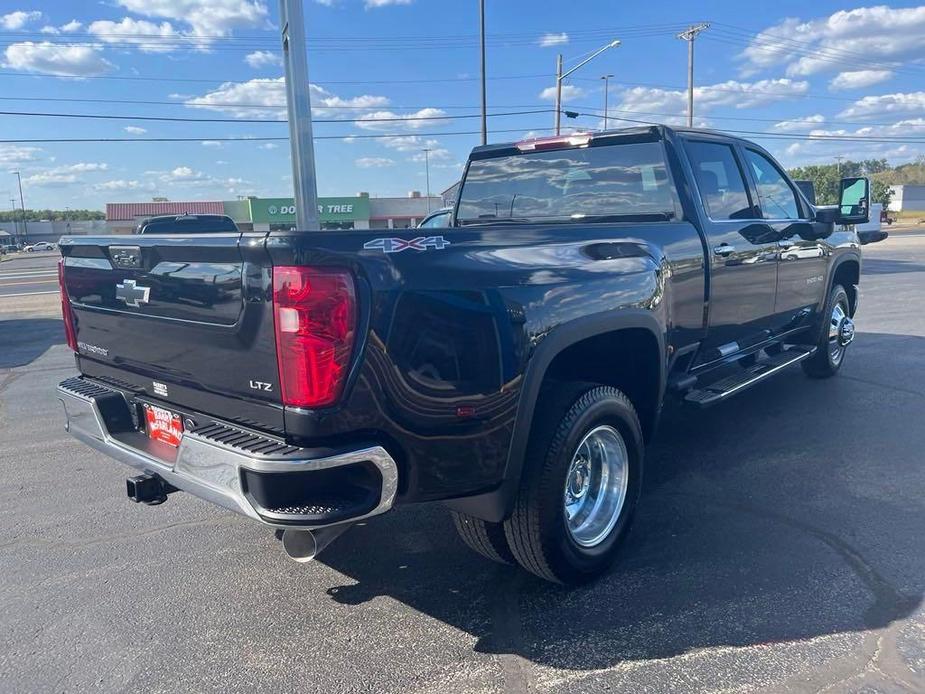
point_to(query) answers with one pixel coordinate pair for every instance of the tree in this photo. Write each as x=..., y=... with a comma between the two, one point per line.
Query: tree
x=53, y=215
x=827, y=177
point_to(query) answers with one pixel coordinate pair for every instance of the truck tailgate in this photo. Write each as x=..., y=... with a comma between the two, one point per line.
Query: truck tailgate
x=185, y=320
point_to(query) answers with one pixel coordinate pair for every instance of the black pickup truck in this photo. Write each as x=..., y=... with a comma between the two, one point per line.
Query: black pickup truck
x=512, y=365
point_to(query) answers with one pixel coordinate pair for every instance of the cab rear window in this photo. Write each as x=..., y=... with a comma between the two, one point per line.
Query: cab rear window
x=605, y=181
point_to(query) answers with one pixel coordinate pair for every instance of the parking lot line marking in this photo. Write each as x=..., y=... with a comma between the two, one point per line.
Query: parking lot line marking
x=15, y=283
x=9, y=296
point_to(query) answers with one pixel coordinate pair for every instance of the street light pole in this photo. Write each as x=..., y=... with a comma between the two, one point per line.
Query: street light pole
x=606, y=79
x=689, y=35
x=560, y=76
x=299, y=108
x=427, y=175
x=484, y=90
x=22, y=205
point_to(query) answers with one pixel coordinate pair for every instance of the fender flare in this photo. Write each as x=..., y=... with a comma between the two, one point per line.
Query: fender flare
x=496, y=505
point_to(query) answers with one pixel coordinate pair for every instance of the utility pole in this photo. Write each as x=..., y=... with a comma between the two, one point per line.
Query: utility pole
x=560, y=76
x=299, y=107
x=427, y=174
x=13, y=219
x=606, y=79
x=484, y=90
x=22, y=205
x=689, y=35
x=838, y=164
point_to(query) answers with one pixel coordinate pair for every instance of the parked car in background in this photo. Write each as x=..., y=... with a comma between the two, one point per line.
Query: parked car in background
x=440, y=219
x=40, y=246
x=187, y=224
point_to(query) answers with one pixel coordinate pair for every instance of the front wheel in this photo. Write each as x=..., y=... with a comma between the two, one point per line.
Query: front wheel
x=834, y=339
x=581, y=483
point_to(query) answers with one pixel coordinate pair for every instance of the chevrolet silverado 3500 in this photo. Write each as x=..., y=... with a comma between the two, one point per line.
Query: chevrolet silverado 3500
x=512, y=366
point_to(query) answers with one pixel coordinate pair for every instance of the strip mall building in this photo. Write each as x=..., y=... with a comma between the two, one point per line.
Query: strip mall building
x=278, y=214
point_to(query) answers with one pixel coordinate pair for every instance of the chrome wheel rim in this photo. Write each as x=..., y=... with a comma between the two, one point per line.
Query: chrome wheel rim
x=595, y=486
x=841, y=331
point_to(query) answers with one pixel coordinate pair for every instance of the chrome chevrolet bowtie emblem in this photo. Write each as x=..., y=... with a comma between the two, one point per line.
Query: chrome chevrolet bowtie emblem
x=132, y=294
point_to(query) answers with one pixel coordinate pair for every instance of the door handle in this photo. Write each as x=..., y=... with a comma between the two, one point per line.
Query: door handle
x=724, y=249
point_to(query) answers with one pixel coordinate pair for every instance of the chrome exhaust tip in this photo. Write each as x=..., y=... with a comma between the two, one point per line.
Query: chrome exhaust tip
x=304, y=545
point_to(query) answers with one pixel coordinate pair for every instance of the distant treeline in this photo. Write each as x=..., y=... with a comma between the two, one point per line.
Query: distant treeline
x=52, y=215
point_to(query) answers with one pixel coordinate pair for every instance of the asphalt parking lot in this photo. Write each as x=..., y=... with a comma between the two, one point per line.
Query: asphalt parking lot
x=780, y=547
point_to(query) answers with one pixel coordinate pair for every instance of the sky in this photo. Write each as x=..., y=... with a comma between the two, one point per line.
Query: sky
x=809, y=81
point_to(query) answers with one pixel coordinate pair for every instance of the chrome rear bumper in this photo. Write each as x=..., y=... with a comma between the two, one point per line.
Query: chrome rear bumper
x=216, y=470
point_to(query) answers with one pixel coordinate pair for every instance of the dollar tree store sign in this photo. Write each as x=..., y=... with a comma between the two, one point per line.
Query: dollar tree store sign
x=282, y=210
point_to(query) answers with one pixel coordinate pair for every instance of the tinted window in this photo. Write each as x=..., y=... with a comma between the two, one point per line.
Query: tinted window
x=722, y=187
x=569, y=184
x=775, y=196
x=438, y=220
x=190, y=225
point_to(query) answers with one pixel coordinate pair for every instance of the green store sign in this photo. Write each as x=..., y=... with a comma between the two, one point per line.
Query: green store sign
x=282, y=210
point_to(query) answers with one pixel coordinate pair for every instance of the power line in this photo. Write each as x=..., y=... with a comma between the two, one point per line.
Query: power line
x=345, y=136
x=183, y=119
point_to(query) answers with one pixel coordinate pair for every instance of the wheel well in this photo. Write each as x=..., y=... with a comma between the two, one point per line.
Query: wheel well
x=626, y=359
x=848, y=275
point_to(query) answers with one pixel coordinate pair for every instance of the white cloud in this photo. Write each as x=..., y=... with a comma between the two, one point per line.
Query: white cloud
x=844, y=40
x=385, y=120
x=858, y=79
x=71, y=26
x=56, y=59
x=19, y=19
x=266, y=98
x=384, y=3
x=211, y=143
x=50, y=179
x=435, y=154
x=259, y=59
x=50, y=30
x=83, y=167
x=134, y=130
x=65, y=175
x=17, y=154
x=657, y=102
x=147, y=36
x=569, y=92
x=553, y=40
x=886, y=104
x=374, y=162
x=183, y=173
x=818, y=147
x=407, y=143
x=205, y=17
x=122, y=184
x=268, y=145
x=798, y=124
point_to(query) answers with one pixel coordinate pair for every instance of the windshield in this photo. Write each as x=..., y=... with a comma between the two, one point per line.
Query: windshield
x=619, y=180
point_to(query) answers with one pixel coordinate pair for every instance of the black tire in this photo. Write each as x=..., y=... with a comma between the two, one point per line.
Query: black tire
x=826, y=362
x=485, y=538
x=537, y=531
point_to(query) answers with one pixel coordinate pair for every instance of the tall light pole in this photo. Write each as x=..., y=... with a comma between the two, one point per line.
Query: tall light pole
x=562, y=75
x=689, y=35
x=606, y=79
x=484, y=90
x=427, y=175
x=299, y=108
x=13, y=219
x=22, y=205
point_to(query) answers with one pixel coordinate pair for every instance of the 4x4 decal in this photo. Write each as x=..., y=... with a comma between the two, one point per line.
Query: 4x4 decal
x=396, y=245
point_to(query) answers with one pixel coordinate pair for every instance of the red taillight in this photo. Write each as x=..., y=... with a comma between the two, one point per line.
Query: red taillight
x=315, y=314
x=69, y=333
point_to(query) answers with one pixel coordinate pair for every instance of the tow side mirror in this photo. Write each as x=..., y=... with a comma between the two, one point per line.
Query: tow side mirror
x=854, y=201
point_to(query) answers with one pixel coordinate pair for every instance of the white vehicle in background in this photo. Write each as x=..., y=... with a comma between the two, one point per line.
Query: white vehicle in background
x=40, y=246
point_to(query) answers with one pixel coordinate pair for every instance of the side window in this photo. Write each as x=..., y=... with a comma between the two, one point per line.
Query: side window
x=722, y=187
x=774, y=193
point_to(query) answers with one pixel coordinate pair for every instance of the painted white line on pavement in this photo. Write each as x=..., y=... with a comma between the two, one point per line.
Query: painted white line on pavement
x=9, y=296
